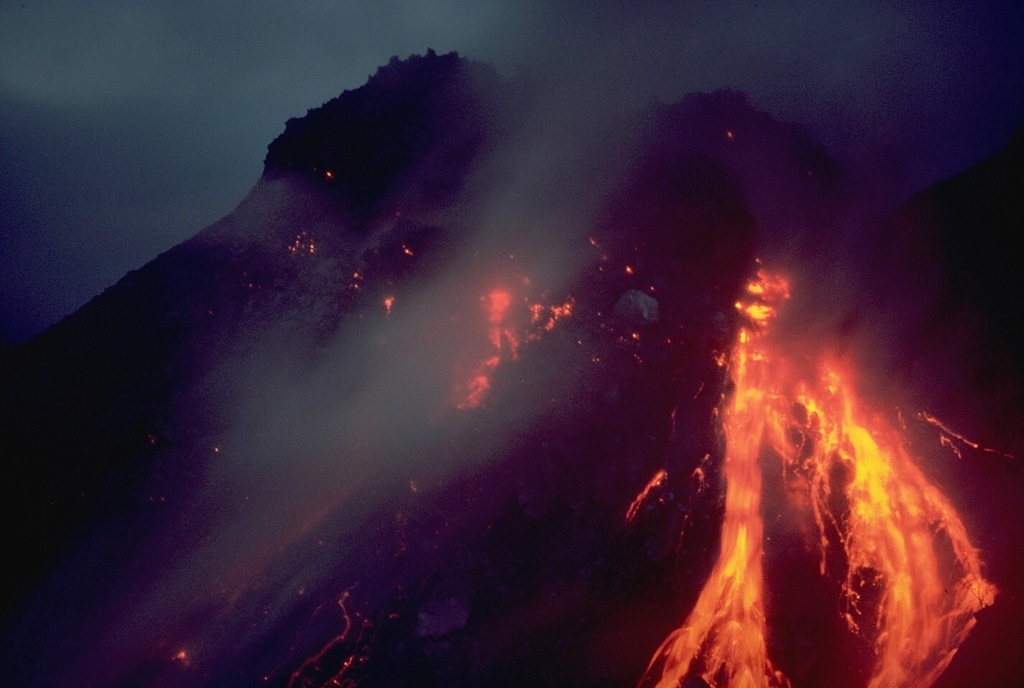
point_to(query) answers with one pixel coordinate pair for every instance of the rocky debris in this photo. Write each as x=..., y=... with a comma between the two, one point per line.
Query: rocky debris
x=637, y=308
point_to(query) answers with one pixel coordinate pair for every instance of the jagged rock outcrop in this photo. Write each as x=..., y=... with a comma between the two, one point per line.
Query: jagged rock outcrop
x=408, y=136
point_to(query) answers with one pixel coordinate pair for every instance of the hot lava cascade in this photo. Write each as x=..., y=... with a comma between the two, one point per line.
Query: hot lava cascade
x=907, y=577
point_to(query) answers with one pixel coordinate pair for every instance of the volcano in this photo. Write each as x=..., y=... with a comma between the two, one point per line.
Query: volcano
x=453, y=398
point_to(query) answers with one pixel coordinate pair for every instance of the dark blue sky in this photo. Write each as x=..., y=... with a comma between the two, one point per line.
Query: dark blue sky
x=127, y=127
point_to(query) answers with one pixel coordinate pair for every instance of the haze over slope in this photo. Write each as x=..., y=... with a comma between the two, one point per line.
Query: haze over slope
x=125, y=130
x=417, y=373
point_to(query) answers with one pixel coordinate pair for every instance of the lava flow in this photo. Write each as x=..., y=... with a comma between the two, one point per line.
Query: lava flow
x=900, y=541
x=505, y=333
x=501, y=338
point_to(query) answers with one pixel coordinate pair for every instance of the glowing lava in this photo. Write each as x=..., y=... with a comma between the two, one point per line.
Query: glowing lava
x=495, y=305
x=723, y=639
x=311, y=674
x=895, y=531
x=900, y=537
x=505, y=332
x=657, y=481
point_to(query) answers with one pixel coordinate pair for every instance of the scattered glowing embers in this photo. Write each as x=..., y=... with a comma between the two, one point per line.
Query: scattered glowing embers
x=302, y=244
x=546, y=317
x=899, y=534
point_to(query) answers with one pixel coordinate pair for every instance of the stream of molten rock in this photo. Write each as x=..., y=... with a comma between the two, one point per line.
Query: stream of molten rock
x=724, y=637
x=900, y=536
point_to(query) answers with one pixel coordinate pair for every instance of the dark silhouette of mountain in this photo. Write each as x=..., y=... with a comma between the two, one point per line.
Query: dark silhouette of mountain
x=88, y=398
x=956, y=234
x=384, y=420
x=950, y=282
x=412, y=130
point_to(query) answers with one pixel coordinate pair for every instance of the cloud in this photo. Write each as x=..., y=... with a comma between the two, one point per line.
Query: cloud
x=912, y=90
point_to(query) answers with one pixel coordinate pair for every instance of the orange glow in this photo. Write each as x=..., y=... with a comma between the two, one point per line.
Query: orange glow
x=388, y=301
x=496, y=304
x=949, y=435
x=726, y=628
x=768, y=291
x=758, y=312
x=546, y=317
x=303, y=243
x=563, y=310
x=480, y=384
x=502, y=338
x=895, y=515
x=896, y=532
x=299, y=678
x=653, y=483
x=507, y=329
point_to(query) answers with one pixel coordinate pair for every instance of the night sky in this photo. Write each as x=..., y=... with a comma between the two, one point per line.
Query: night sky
x=127, y=127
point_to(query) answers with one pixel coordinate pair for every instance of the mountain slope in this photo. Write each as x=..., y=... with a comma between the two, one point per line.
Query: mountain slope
x=384, y=421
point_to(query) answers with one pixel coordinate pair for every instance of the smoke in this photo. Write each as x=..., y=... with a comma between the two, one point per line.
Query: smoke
x=332, y=455
x=337, y=457
x=178, y=103
x=325, y=457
